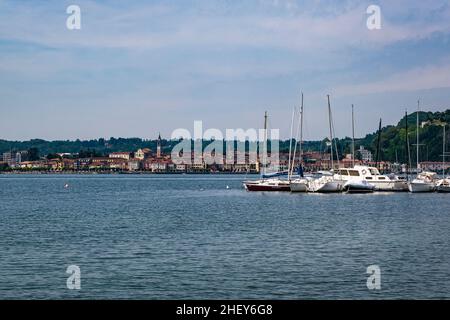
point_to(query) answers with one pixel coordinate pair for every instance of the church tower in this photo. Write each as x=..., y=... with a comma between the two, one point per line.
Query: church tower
x=158, y=147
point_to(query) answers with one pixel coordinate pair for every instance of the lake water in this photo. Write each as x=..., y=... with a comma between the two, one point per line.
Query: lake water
x=191, y=237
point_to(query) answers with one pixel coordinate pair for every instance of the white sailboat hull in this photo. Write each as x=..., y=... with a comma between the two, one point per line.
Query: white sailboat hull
x=361, y=186
x=330, y=186
x=299, y=186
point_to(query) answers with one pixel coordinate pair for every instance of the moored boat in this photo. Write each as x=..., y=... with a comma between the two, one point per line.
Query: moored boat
x=325, y=184
x=268, y=182
x=443, y=185
x=328, y=183
x=274, y=184
x=424, y=182
x=372, y=176
x=299, y=185
x=355, y=186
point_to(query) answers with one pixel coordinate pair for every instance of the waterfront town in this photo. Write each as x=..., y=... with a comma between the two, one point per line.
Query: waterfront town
x=146, y=160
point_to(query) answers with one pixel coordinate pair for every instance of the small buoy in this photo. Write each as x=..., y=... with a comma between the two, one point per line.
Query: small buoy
x=228, y=187
x=66, y=185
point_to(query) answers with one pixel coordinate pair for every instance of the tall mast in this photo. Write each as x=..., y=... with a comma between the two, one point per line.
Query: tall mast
x=443, y=154
x=353, y=138
x=407, y=150
x=417, y=133
x=331, y=131
x=290, y=143
x=264, y=145
x=298, y=129
x=301, y=133
x=378, y=145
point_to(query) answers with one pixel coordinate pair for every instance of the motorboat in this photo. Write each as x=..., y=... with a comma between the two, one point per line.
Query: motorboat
x=424, y=182
x=372, y=176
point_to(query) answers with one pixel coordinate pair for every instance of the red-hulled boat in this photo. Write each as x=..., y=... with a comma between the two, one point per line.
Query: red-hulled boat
x=274, y=184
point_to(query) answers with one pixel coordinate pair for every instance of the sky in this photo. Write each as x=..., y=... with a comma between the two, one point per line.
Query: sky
x=137, y=68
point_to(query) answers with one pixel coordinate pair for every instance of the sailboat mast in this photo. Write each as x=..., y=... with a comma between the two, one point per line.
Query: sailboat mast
x=264, y=145
x=331, y=131
x=353, y=138
x=408, y=156
x=443, y=154
x=417, y=135
x=407, y=150
x=297, y=138
x=378, y=145
x=290, y=143
x=301, y=134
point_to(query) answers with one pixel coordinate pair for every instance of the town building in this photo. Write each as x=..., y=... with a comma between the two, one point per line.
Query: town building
x=134, y=164
x=142, y=154
x=120, y=155
x=366, y=155
x=13, y=158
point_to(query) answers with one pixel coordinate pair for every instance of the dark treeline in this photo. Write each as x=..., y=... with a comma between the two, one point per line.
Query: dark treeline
x=102, y=147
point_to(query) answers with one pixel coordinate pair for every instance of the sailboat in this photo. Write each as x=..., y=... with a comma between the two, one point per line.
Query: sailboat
x=443, y=185
x=425, y=181
x=327, y=183
x=267, y=182
x=299, y=184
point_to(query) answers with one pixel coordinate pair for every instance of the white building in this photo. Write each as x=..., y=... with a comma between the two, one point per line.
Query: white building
x=366, y=155
x=120, y=155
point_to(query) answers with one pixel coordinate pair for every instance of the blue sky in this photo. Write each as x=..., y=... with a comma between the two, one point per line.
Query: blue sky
x=138, y=68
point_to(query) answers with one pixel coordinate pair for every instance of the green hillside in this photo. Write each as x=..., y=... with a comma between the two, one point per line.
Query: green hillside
x=393, y=138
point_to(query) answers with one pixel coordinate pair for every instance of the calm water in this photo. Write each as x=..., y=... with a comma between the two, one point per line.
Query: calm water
x=180, y=237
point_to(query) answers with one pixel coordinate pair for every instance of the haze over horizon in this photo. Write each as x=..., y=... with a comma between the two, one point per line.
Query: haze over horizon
x=134, y=70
